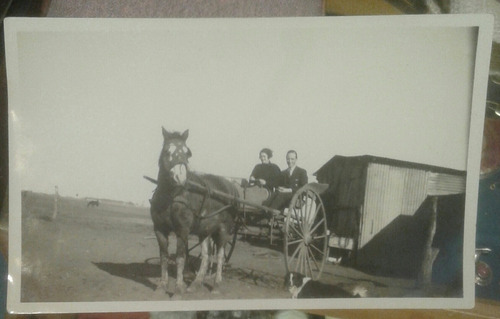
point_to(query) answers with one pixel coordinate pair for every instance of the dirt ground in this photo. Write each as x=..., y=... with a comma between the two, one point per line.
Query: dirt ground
x=107, y=253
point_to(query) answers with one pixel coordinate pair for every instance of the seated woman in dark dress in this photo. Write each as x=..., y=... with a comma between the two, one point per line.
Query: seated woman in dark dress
x=266, y=174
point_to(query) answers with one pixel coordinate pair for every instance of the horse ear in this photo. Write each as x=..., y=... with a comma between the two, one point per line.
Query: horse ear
x=185, y=135
x=166, y=134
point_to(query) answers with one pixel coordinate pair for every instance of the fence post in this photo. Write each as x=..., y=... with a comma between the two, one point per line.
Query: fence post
x=430, y=253
x=56, y=203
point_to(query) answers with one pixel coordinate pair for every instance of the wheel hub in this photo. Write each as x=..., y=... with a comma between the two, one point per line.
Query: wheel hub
x=308, y=239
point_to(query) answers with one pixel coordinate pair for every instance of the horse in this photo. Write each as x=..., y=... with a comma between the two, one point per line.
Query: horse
x=178, y=207
x=93, y=203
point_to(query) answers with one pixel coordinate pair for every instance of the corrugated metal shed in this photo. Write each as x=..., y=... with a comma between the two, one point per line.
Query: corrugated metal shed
x=381, y=189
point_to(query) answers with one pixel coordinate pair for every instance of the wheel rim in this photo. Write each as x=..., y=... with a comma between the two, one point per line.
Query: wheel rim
x=306, y=239
x=228, y=250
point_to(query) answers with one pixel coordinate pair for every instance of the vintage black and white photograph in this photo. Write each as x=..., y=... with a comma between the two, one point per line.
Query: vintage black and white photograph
x=270, y=163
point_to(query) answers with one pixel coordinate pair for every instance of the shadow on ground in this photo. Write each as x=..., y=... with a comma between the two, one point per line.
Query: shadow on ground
x=138, y=272
x=146, y=271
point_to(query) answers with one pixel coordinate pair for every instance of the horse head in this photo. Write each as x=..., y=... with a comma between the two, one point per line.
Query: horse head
x=174, y=155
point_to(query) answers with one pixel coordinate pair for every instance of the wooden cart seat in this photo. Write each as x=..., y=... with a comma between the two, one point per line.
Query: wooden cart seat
x=253, y=194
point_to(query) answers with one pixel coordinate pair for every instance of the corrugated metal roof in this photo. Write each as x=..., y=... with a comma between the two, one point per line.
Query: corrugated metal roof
x=365, y=159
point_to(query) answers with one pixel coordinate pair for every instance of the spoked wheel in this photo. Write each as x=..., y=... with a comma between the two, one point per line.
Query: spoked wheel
x=306, y=233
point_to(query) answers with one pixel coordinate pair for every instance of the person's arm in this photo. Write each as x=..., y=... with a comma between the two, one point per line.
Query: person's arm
x=274, y=179
x=255, y=177
x=254, y=172
x=285, y=186
x=303, y=178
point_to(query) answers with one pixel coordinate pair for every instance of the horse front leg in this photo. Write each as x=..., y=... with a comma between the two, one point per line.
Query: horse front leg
x=220, y=265
x=162, y=239
x=200, y=276
x=180, y=286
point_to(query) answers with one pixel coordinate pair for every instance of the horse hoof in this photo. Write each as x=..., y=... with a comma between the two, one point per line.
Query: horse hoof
x=163, y=286
x=176, y=297
x=215, y=290
x=195, y=285
x=180, y=289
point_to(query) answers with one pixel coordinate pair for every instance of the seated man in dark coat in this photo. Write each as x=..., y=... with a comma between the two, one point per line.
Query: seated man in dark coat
x=293, y=178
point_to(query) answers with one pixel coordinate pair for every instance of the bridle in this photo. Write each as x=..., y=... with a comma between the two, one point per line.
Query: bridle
x=174, y=161
x=175, y=153
x=174, y=158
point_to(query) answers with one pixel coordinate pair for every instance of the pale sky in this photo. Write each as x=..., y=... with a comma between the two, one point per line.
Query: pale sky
x=88, y=100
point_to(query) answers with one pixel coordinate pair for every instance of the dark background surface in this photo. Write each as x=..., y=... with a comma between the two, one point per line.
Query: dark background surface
x=222, y=8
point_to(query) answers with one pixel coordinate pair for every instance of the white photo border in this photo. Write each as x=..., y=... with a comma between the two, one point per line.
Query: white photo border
x=484, y=25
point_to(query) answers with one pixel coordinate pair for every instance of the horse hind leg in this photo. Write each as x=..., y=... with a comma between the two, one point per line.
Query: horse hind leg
x=221, y=238
x=202, y=271
x=220, y=265
x=180, y=285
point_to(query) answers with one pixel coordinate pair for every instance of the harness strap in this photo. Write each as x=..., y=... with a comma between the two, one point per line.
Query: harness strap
x=220, y=210
x=207, y=196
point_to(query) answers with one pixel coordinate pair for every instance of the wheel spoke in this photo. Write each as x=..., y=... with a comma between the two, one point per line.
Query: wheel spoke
x=320, y=206
x=303, y=208
x=295, y=241
x=305, y=224
x=295, y=252
x=298, y=233
x=312, y=200
x=314, y=259
x=317, y=225
x=319, y=237
x=313, y=213
x=317, y=249
x=303, y=211
x=309, y=267
x=298, y=266
x=303, y=260
x=297, y=218
x=299, y=260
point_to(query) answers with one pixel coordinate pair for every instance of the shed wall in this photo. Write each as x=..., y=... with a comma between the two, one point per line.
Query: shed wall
x=390, y=191
x=440, y=184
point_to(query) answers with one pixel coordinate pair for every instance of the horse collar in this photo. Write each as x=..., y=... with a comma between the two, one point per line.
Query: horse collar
x=181, y=198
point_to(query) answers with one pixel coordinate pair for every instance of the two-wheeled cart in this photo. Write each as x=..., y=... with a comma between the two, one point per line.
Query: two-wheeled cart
x=303, y=223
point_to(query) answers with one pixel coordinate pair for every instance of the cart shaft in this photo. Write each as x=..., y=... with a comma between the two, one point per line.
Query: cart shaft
x=225, y=196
